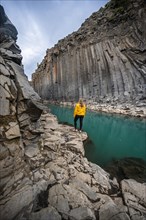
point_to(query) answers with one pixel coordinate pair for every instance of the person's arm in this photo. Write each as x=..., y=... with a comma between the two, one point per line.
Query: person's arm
x=75, y=111
x=84, y=110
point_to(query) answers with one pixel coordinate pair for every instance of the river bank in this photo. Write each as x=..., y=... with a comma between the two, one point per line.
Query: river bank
x=75, y=188
x=138, y=111
x=112, y=136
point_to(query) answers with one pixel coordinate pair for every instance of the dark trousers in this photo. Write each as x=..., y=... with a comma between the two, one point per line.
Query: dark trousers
x=81, y=121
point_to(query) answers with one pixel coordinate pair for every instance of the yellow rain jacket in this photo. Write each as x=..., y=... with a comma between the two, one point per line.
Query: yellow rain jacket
x=79, y=110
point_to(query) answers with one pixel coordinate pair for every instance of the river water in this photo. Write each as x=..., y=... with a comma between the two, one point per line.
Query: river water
x=110, y=136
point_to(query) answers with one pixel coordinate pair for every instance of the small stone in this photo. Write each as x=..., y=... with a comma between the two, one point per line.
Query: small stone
x=82, y=213
x=13, y=132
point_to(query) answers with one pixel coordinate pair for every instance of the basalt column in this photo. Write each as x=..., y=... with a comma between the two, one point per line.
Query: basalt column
x=104, y=60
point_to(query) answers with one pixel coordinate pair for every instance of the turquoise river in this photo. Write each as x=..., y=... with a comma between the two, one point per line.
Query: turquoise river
x=110, y=136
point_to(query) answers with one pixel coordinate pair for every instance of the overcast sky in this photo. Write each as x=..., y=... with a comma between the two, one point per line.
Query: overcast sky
x=41, y=23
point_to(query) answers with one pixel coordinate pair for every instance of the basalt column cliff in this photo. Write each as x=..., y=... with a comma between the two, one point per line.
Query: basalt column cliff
x=105, y=60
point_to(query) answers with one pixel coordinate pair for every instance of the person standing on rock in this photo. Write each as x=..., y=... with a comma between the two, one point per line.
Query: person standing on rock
x=79, y=113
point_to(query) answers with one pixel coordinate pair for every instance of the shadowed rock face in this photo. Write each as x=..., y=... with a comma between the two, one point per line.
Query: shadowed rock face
x=7, y=29
x=104, y=60
x=16, y=92
x=17, y=102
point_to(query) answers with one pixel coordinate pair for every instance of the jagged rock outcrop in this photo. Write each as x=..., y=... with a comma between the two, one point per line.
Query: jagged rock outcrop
x=20, y=108
x=43, y=171
x=104, y=61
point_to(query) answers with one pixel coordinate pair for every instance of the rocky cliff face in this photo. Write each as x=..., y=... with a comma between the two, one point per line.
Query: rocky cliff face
x=20, y=109
x=105, y=60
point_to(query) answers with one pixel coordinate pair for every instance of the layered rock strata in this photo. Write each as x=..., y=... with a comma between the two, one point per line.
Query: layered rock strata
x=104, y=61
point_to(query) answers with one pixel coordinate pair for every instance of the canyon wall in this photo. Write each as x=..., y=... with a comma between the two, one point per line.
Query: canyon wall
x=104, y=61
x=43, y=171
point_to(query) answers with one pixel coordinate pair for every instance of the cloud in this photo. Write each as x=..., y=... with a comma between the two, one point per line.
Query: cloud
x=33, y=43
